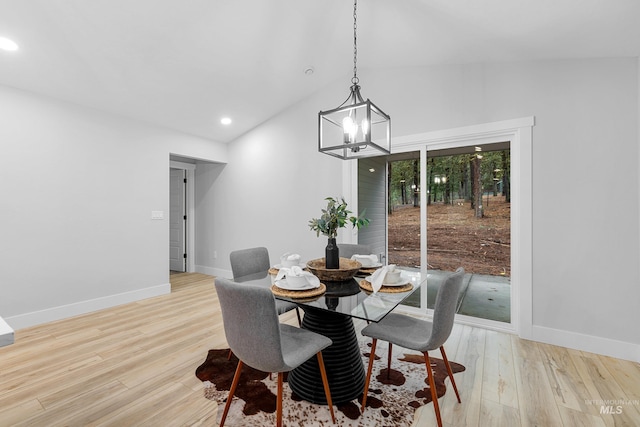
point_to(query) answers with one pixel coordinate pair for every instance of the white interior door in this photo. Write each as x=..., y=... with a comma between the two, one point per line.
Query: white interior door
x=177, y=220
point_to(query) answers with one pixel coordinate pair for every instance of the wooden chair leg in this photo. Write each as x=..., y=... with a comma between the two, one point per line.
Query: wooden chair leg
x=232, y=391
x=372, y=356
x=229, y=354
x=325, y=383
x=389, y=361
x=446, y=363
x=432, y=386
x=279, y=401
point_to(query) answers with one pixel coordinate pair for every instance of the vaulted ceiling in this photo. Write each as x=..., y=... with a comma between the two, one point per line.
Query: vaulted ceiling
x=184, y=64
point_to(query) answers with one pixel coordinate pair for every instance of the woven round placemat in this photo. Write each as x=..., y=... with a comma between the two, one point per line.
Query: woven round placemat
x=308, y=293
x=366, y=285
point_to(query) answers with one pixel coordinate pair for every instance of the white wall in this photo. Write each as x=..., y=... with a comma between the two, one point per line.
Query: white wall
x=585, y=179
x=78, y=187
x=274, y=183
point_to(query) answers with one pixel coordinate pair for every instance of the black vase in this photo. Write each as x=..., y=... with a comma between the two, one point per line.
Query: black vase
x=332, y=255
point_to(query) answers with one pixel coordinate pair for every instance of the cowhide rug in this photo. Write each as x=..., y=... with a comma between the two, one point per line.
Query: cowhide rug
x=391, y=401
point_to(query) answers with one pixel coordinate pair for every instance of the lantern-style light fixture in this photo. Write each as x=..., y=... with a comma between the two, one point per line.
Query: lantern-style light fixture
x=357, y=128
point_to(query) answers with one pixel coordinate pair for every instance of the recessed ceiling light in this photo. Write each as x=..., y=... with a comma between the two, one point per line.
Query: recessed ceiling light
x=8, y=44
x=225, y=120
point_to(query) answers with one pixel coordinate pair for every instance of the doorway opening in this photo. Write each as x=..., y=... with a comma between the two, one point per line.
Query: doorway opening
x=181, y=215
x=177, y=221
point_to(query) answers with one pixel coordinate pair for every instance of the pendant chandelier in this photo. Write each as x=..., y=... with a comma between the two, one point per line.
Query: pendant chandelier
x=357, y=128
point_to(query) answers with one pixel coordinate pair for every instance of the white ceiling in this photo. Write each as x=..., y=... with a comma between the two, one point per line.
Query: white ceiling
x=184, y=64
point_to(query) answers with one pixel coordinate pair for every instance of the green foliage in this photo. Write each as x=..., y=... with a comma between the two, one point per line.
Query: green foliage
x=404, y=181
x=449, y=177
x=336, y=216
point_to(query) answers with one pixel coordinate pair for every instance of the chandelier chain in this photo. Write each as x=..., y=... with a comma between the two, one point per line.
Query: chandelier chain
x=355, y=79
x=356, y=128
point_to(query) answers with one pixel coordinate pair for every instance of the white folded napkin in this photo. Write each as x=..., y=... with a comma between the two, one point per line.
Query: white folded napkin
x=373, y=259
x=312, y=280
x=289, y=259
x=377, y=278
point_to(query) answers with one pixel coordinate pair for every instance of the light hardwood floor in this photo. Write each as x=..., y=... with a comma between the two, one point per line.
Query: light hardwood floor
x=135, y=364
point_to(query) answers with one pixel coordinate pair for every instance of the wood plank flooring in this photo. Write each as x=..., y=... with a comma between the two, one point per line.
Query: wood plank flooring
x=134, y=365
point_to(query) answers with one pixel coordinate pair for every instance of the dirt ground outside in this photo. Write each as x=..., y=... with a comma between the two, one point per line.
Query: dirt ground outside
x=455, y=237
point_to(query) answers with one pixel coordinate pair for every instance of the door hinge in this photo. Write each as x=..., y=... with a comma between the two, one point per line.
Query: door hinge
x=184, y=217
x=184, y=256
x=185, y=180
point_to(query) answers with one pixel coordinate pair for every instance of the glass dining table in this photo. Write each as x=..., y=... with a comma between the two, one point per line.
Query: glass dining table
x=332, y=314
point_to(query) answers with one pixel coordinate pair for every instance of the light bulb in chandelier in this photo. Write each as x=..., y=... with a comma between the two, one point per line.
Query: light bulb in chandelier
x=349, y=130
x=365, y=128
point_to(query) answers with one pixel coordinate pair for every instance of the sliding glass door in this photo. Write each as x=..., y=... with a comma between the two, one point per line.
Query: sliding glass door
x=468, y=225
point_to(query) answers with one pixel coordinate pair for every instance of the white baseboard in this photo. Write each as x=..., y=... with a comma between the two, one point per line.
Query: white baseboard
x=211, y=271
x=62, y=312
x=6, y=333
x=589, y=343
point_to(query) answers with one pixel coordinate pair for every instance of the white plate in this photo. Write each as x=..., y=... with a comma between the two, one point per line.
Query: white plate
x=302, y=265
x=282, y=283
x=376, y=265
x=402, y=283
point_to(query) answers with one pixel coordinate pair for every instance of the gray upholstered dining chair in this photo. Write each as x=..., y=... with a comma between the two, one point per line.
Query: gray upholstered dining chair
x=420, y=335
x=259, y=340
x=347, y=250
x=245, y=262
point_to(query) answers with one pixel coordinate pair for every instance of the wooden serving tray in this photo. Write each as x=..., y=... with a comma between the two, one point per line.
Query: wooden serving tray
x=348, y=269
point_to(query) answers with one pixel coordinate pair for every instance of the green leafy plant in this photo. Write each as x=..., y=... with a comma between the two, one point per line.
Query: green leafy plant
x=336, y=216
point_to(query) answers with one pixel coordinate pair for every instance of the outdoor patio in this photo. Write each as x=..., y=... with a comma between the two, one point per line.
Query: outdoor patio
x=483, y=296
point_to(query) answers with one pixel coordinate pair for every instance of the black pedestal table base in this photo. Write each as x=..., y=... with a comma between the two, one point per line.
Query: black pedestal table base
x=343, y=362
